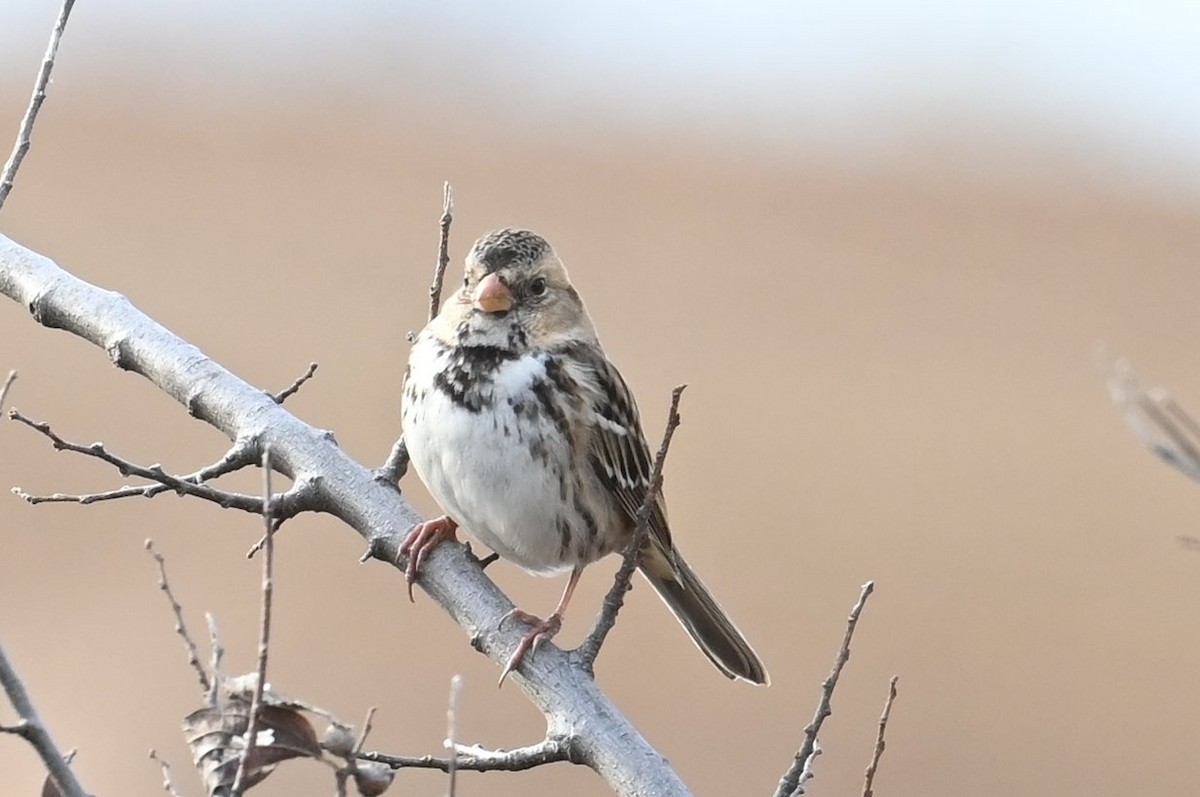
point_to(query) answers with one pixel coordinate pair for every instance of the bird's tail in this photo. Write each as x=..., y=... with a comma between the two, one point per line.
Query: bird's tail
x=704, y=620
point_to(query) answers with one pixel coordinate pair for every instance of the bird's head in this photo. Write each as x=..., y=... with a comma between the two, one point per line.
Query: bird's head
x=516, y=294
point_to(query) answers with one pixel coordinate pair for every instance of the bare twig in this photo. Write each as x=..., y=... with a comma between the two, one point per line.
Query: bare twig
x=806, y=773
x=264, y=629
x=228, y=500
x=30, y=728
x=180, y=626
x=792, y=781
x=8, y=380
x=168, y=786
x=366, y=730
x=451, y=742
x=217, y=653
x=1153, y=416
x=300, y=497
x=25, y=133
x=439, y=272
x=293, y=388
x=868, y=784
x=478, y=759
x=242, y=454
x=587, y=652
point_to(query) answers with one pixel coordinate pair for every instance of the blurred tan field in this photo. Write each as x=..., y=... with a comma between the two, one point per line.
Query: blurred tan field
x=891, y=377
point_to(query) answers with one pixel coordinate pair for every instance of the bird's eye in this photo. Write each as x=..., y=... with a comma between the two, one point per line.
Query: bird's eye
x=466, y=280
x=538, y=287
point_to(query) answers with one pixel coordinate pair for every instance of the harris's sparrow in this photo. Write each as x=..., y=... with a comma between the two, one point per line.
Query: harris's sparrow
x=527, y=435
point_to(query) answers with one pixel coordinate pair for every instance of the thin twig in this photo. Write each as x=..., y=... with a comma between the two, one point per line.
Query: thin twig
x=792, y=781
x=1154, y=417
x=451, y=741
x=366, y=730
x=868, y=784
x=587, y=652
x=301, y=496
x=293, y=388
x=180, y=626
x=217, y=653
x=478, y=759
x=228, y=500
x=25, y=133
x=30, y=728
x=8, y=380
x=168, y=786
x=439, y=272
x=264, y=628
x=242, y=454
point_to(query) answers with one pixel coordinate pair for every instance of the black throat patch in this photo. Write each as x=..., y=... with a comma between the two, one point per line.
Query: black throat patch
x=468, y=377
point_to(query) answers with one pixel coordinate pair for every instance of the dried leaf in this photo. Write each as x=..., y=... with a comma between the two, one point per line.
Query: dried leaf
x=216, y=737
x=49, y=789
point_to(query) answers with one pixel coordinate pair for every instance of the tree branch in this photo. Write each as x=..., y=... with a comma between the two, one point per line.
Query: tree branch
x=30, y=728
x=478, y=759
x=576, y=710
x=299, y=498
x=792, y=781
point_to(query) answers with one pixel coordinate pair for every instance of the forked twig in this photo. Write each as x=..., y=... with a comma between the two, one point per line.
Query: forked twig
x=792, y=781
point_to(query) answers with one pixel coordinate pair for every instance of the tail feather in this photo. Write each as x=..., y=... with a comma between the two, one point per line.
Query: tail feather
x=703, y=618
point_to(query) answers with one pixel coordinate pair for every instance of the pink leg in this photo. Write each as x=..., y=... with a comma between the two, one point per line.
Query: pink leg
x=424, y=537
x=542, y=629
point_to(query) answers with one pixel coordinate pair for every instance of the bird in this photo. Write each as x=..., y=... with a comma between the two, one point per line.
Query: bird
x=527, y=436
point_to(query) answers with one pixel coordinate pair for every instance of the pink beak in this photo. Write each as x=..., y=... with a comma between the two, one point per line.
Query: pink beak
x=492, y=295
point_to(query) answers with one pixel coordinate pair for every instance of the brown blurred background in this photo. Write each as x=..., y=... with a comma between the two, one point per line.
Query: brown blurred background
x=888, y=328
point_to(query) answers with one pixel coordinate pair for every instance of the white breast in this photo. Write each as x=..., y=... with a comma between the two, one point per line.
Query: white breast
x=493, y=471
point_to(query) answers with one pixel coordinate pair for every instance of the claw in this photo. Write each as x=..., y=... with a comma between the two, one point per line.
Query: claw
x=541, y=631
x=423, y=538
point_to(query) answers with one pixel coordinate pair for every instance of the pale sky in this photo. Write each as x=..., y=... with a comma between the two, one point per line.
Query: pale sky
x=1118, y=78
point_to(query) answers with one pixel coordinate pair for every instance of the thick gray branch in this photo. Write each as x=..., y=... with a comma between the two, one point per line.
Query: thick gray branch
x=575, y=708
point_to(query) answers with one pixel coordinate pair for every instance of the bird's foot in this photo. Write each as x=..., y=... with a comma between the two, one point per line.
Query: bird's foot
x=424, y=537
x=541, y=631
